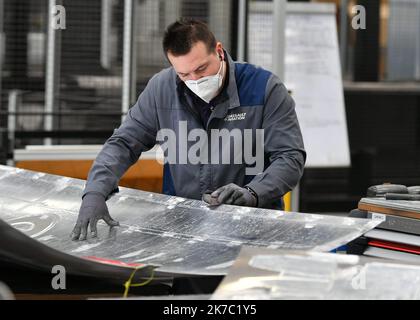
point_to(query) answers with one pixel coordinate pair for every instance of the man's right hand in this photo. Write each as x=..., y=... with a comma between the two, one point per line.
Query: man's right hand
x=92, y=210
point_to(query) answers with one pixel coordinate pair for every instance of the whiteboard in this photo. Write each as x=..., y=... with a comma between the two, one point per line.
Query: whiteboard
x=313, y=75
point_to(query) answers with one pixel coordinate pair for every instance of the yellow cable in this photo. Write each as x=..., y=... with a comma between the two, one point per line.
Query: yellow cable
x=128, y=283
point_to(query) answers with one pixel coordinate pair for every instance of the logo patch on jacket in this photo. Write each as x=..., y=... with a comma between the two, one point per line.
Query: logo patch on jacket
x=236, y=117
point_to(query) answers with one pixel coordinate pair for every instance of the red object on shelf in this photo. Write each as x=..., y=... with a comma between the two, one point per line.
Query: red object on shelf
x=395, y=246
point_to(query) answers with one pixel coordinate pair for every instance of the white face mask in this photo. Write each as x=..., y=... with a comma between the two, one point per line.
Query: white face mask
x=207, y=87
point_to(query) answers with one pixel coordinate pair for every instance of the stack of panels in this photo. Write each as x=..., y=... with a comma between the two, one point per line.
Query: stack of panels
x=398, y=234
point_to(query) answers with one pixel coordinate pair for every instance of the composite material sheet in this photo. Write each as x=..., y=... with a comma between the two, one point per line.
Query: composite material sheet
x=178, y=235
x=283, y=274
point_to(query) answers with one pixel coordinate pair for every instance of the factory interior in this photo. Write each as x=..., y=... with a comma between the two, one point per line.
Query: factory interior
x=97, y=201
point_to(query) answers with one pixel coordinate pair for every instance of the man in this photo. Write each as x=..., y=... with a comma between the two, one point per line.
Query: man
x=204, y=91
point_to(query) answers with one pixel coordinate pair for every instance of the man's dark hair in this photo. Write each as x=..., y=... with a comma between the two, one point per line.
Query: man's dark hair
x=182, y=35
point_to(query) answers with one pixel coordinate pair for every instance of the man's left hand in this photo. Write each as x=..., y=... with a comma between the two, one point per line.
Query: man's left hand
x=231, y=194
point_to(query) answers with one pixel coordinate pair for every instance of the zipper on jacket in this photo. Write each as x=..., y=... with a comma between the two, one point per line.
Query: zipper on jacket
x=185, y=102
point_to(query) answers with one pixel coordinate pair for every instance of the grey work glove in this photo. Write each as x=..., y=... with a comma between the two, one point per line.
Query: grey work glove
x=231, y=194
x=92, y=210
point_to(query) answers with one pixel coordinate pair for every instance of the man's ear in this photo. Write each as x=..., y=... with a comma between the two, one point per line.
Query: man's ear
x=220, y=51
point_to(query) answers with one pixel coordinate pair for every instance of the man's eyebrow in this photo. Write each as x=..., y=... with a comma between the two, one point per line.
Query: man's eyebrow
x=186, y=74
x=203, y=65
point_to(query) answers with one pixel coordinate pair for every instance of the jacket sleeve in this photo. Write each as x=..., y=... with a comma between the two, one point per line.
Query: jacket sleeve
x=136, y=134
x=283, y=145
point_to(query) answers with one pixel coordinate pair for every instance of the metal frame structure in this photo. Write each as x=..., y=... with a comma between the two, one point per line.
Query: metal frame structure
x=105, y=32
x=279, y=38
x=279, y=51
x=343, y=33
x=403, y=52
x=52, y=78
x=1, y=46
x=14, y=101
x=242, y=20
x=127, y=82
